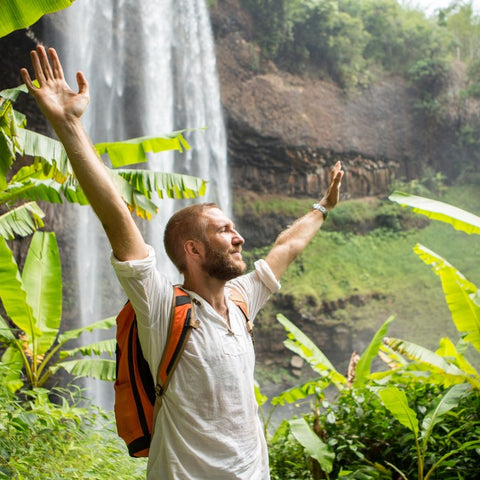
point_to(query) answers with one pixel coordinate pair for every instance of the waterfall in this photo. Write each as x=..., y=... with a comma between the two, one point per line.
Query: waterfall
x=151, y=70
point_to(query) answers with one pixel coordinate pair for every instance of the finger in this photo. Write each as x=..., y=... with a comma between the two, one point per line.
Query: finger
x=82, y=83
x=47, y=69
x=56, y=65
x=26, y=79
x=37, y=67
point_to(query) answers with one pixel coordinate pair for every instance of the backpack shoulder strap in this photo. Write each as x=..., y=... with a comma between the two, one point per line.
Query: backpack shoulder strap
x=238, y=299
x=182, y=321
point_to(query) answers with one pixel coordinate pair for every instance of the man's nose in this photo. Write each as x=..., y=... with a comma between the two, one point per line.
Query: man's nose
x=238, y=239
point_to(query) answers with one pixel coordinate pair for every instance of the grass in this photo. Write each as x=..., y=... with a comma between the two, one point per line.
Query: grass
x=379, y=267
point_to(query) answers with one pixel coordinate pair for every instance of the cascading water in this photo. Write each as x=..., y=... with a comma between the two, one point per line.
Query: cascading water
x=151, y=70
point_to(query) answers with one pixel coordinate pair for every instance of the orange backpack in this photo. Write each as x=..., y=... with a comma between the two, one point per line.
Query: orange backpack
x=135, y=390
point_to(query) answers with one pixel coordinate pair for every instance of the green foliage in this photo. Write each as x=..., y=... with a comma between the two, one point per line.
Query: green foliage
x=49, y=176
x=17, y=15
x=433, y=396
x=40, y=439
x=32, y=299
x=350, y=39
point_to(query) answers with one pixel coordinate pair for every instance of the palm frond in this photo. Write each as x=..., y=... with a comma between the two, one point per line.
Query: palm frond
x=18, y=15
x=134, y=151
x=21, y=221
x=458, y=218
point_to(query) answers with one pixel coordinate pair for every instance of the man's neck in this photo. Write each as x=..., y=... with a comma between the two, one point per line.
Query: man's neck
x=211, y=290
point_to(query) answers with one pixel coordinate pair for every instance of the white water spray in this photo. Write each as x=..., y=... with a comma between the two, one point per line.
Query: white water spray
x=151, y=70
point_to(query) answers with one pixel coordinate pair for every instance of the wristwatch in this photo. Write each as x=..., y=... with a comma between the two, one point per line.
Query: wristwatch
x=321, y=208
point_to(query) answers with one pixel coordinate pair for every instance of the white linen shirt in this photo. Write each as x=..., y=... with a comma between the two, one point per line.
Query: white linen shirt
x=208, y=426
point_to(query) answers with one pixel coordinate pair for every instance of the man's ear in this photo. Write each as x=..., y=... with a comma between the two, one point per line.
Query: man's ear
x=193, y=248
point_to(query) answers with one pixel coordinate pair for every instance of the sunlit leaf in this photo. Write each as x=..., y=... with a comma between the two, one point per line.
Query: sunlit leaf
x=458, y=218
x=97, y=348
x=444, y=404
x=17, y=14
x=99, y=368
x=104, y=324
x=42, y=279
x=315, y=447
x=21, y=221
x=300, y=344
x=396, y=402
x=460, y=294
x=13, y=294
x=134, y=151
x=299, y=392
x=362, y=370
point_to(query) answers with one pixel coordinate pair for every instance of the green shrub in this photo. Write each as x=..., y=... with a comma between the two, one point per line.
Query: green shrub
x=42, y=440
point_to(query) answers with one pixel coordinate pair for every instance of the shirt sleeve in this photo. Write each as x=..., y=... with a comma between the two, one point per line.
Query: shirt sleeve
x=256, y=287
x=151, y=295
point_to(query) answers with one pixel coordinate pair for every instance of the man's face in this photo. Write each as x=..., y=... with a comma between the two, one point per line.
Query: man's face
x=223, y=247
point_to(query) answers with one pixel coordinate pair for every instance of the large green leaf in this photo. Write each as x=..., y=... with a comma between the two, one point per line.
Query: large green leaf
x=13, y=294
x=13, y=93
x=21, y=221
x=423, y=355
x=362, y=370
x=47, y=152
x=300, y=344
x=99, y=368
x=448, y=350
x=300, y=392
x=458, y=218
x=12, y=358
x=444, y=404
x=395, y=401
x=18, y=14
x=315, y=447
x=42, y=278
x=104, y=324
x=134, y=150
x=97, y=348
x=460, y=294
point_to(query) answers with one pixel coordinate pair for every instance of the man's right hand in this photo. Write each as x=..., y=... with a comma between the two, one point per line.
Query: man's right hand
x=58, y=102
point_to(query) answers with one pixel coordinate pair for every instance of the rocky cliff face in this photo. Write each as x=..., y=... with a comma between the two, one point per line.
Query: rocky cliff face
x=284, y=130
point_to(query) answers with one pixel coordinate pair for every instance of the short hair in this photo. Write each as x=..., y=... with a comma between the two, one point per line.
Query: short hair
x=189, y=223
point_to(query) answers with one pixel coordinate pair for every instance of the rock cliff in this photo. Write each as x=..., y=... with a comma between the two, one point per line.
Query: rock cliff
x=283, y=130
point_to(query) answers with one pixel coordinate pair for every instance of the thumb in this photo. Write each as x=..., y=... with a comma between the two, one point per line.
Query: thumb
x=82, y=84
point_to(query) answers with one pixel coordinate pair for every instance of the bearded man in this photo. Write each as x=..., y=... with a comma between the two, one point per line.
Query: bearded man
x=208, y=426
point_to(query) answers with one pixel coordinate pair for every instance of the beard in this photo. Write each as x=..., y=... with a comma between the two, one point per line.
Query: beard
x=220, y=265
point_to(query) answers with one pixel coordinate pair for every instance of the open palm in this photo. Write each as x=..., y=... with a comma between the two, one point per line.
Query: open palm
x=54, y=96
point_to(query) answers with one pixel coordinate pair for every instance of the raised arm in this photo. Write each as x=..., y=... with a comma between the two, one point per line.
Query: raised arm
x=292, y=241
x=64, y=108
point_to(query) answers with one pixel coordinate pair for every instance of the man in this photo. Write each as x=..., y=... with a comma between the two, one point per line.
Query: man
x=208, y=427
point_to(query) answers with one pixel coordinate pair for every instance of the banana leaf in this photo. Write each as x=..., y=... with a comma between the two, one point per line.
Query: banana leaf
x=300, y=392
x=395, y=401
x=362, y=370
x=12, y=94
x=13, y=294
x=97, y=348
x=313, y=445
x=42, y=279
x=99, y=368
x=21, y=221
x=300, y=344
x=18, y=14
x=445, y=403
x=448, y=350
x=458, y=218
x=133, y=151
x=104, y=324
x=460, y=294
x=12, y=358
